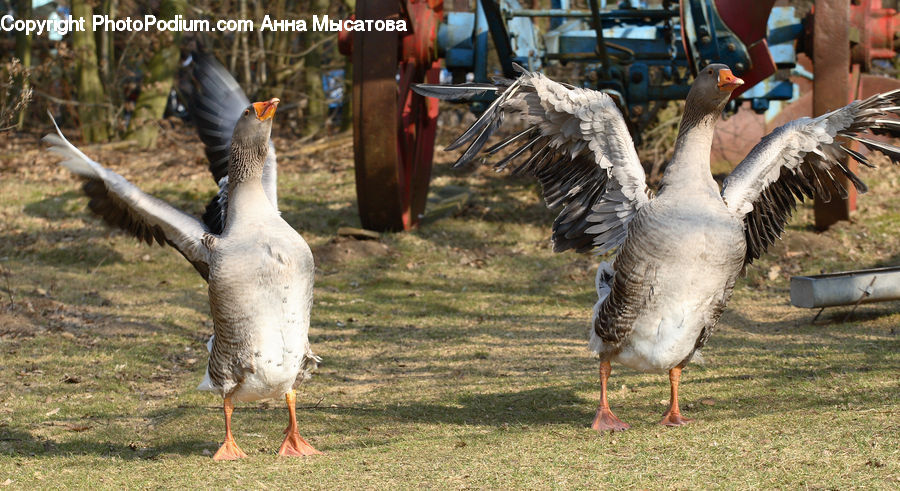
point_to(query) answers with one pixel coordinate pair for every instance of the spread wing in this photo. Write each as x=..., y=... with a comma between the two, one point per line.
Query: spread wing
x=802, y=159
x=121, y=204
x=215, y=107
x=578, y=147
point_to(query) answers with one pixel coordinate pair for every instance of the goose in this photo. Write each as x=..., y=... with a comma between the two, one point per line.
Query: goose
x=678, y=251
x=259, y=270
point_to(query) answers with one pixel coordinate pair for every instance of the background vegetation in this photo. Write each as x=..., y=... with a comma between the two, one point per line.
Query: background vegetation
x=115, y=85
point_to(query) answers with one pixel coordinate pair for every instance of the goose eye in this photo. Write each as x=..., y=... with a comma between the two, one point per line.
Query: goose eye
x=247, y=111
x=709, y=72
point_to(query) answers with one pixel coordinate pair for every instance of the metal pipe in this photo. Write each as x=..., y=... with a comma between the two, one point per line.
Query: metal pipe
x=595, y=57
x=601, y=45
x=613, y=15
x=848, y=288
x=480, y=44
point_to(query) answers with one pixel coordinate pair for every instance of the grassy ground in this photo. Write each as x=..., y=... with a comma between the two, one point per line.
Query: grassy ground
x=454, y=356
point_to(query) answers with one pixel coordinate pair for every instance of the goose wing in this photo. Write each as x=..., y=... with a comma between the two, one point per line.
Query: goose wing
x=121, y=204
x=580, y=151
x=801, y=159
x=216, y=106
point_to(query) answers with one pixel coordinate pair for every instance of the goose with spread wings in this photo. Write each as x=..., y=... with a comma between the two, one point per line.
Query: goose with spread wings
x=259, y=269
x=680, y=250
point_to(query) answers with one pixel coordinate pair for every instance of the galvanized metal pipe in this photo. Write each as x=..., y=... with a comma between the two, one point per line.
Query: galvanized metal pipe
x=847, y=288
x=614, y=15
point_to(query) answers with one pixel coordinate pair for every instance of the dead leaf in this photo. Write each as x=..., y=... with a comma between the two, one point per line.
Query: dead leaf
x=708, y=402
x=774, y=272
x=7, y=482
x=52, y=412
x=78, y=428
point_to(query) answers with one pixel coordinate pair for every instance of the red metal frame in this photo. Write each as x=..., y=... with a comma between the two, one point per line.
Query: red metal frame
x=876, y=26
x=748, y=21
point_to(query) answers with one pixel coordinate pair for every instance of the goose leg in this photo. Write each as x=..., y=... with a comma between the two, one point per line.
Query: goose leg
x=294, y=445
x=229, y=450
x=605, y=419
x=672, y=416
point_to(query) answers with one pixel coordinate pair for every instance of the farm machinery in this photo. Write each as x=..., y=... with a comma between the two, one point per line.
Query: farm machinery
x=642, y=56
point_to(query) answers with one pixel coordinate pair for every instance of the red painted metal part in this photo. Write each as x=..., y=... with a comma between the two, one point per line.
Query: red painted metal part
x=345, y=40
x=876, y=27
x=394, y=128
x=748, y=20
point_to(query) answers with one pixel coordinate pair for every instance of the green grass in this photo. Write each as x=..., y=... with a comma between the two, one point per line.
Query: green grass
x=454, y=356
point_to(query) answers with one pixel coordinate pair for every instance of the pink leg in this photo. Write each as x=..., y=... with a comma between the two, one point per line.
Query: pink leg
x=294, y=445
x=672, y=416
x=229, y=450
x=605, y=419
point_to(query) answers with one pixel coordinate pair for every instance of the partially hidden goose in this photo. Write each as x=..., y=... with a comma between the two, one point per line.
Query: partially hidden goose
x=259, y=270
x=681, y=249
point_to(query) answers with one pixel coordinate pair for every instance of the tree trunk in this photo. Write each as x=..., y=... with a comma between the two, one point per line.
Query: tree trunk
x=347, y=99
x=157, y=83
x=23, y=53
x=347, y=102
x=107, y=46
x=279, y=45
x=316, y=105
x=94, y=124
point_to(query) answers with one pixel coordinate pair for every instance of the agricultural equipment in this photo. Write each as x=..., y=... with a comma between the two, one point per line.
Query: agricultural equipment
x=643, y=57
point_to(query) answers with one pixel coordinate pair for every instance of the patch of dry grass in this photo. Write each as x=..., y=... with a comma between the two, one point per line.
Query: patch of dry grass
x=454, y=356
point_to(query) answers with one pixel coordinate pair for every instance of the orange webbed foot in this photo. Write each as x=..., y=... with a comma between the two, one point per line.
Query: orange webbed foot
x=674, y=419
x=605, y=420
x=229, y=451
x=295, y=446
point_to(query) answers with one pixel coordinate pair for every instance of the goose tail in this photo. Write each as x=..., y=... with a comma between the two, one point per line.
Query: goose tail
x=207, y=384
x=602, y=283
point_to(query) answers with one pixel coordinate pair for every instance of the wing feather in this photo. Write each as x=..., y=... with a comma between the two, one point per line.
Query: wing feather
x=802, y=159
x=581, y=153
x=121, y=204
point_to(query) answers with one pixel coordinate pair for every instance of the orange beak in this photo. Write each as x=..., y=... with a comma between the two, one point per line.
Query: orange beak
x=727, y=80
x=265, y=110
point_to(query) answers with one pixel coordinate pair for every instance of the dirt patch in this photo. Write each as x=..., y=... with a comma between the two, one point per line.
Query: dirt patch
x=17, y=324
x=342, y=249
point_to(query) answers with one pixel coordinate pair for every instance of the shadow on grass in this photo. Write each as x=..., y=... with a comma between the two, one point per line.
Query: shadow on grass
x=19, y=443
x=73, y=252
x=832, y=320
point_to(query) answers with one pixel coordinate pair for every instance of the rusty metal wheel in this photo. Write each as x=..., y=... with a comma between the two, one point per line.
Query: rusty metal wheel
x=394, y=128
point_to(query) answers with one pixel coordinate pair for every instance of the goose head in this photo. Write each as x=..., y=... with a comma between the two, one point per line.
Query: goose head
x=708, y=95
x=713, y=87
x=250, y=140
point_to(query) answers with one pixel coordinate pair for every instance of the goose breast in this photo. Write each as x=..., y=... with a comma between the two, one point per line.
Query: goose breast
x=684, y=254
x=261, y=307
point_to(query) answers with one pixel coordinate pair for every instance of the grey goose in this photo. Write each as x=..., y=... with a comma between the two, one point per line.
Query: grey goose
x=678, y=251
x=259, y=270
